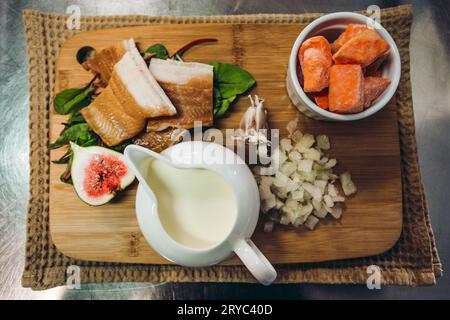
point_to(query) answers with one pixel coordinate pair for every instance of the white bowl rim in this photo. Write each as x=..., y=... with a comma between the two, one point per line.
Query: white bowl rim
x=336, y=116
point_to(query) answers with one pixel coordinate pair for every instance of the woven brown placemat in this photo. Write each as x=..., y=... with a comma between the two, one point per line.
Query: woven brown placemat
x=412, y=261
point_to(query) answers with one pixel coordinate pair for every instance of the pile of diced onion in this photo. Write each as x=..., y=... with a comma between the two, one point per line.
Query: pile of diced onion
x=299, y=186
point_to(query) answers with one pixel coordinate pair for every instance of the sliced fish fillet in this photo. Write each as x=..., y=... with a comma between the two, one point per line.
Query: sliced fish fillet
x=189, y=86
x=133, y=83
x=104, y=61
x=107, y=117
x=159, y=140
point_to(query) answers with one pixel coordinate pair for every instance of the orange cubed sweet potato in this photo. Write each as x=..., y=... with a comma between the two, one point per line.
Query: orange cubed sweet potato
x=373, y=88
x=362, y=49
x=315, y=60
x=321, y=99
x=351, y=31
x=346, y=89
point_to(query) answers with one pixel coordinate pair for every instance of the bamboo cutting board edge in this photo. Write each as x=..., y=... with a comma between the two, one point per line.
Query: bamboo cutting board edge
x=136, y=248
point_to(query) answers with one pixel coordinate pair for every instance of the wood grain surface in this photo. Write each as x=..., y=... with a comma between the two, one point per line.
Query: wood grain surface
x=368, y=148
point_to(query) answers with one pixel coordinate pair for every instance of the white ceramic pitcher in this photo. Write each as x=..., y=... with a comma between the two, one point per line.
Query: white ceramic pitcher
x=214, y=157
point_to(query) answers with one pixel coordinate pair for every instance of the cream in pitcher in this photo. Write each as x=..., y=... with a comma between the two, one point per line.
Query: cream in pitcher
x=196, y=206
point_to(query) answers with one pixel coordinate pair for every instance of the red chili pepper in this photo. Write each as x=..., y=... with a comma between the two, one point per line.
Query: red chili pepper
x=190, y=44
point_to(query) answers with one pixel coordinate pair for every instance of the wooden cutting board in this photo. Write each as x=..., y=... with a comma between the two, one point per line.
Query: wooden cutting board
x=369, y=149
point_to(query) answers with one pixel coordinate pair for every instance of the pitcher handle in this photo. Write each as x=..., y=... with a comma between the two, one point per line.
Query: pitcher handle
x=255, y=261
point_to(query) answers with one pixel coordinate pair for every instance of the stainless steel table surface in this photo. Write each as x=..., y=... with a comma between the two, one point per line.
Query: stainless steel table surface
x=430, y=59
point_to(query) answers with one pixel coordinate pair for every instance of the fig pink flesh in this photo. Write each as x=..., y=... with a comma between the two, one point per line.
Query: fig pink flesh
x=103, y=175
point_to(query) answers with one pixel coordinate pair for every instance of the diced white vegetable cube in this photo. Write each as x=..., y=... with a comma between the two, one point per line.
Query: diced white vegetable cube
x=323, y=142
x=280, y=179
x=323, y=160
x=321, y=184
x=322, y=213
x=307, y=196
x=291, y=185
x=297, y=194
x=306, y=210
x=311, y=222
x=290, y=213
x=313, y=191
x=284, y=220
x=313, y=154
x=279, y=204
x=280, y=192
x=332, y=190
x=294, y=156
x=305, y=165
x=347, y=184
x=307, y=140
x=285, y=144
x=328, y=201
x=296, y=136
x=316, y=204
x=292, y=125
x=300, y=148
x=330, y=163
x=298, y=221
x=288, y=168
x=338, y=199
x=336, y=212
x=291, y=203
x=308, y=176
x=327, y=208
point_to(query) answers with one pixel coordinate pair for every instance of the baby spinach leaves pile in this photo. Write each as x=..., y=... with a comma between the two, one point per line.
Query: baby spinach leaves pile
x=229, y=82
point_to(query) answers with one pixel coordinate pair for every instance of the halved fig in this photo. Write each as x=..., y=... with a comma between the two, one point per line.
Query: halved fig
x=98, y=173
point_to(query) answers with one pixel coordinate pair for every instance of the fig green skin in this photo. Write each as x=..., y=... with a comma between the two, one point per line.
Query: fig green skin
x=81, y=156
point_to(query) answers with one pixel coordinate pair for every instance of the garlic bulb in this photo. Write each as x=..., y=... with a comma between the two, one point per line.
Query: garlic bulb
x=253, y=127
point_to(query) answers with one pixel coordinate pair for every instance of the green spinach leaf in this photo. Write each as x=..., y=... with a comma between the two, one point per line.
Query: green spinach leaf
x=159, y=50
x=79, y=133
x=75, y=117
x=229, y=82
x=73, y=99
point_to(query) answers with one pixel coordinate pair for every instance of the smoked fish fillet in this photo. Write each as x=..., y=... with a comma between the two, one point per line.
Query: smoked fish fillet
x=189, y=85
x=108, y=118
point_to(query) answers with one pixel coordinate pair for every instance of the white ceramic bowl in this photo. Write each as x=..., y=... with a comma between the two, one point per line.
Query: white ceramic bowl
x=330, y=26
